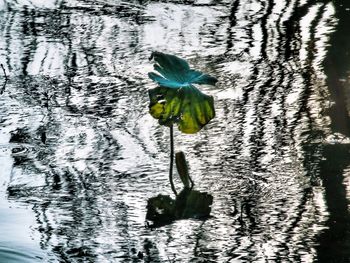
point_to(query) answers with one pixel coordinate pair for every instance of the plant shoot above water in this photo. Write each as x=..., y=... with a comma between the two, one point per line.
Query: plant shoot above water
x=177, y=101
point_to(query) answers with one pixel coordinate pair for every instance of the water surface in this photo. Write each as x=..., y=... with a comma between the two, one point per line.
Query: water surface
x=80, y=155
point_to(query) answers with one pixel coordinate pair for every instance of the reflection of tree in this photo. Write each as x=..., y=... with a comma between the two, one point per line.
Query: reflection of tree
x=273, y=78
x=6, y=79
x=3, y=87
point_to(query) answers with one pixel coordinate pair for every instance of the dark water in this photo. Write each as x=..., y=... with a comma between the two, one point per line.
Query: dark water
x=80, y=155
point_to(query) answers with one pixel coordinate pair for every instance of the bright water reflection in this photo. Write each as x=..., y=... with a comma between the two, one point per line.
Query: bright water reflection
x=82, y=153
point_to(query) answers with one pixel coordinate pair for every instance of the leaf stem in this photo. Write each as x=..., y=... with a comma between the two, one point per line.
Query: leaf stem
x=172, y=159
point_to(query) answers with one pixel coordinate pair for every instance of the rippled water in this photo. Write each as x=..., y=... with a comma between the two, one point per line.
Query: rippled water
x=80, y=155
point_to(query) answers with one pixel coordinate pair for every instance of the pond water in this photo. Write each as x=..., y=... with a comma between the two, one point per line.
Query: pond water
x=80, y=155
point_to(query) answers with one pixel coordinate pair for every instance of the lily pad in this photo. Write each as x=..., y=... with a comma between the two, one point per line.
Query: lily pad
x=176, y=99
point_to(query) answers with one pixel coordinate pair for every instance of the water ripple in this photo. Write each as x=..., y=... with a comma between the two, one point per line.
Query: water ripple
x=83, y=153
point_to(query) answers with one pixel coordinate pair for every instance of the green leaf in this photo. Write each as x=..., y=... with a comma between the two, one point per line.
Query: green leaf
x=188, y=107
x=175, y=72
x=176, y=100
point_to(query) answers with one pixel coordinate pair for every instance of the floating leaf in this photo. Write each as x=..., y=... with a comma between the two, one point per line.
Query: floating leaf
x=176, y=100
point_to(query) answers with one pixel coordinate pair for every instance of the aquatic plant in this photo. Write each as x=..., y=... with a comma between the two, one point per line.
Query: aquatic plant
x=177, y=101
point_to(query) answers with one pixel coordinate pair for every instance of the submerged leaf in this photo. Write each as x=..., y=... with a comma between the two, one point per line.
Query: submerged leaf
x=176, y=100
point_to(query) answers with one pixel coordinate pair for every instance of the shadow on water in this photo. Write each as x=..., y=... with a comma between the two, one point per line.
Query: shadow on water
x=163, y=210
x=335, y=241
x=80, y=151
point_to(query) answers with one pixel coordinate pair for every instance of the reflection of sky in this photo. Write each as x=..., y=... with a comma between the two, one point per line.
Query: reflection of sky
x=176, y=29
x=18, y=242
